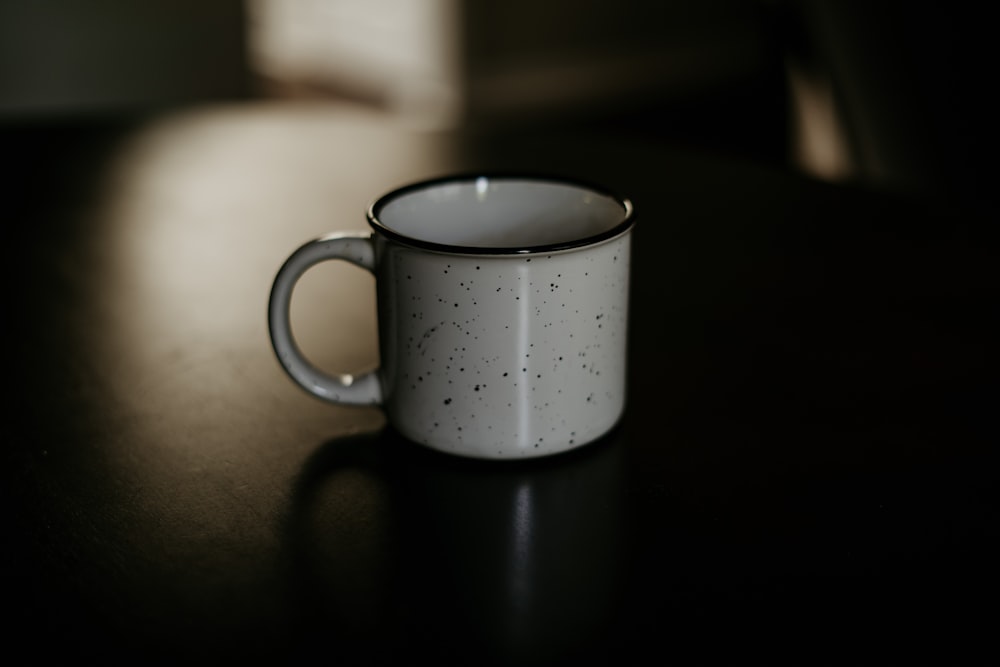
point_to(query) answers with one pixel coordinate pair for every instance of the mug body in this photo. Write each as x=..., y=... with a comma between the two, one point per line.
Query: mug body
x=503, y=351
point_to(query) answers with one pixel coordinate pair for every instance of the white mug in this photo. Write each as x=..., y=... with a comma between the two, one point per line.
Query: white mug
x=502, y=313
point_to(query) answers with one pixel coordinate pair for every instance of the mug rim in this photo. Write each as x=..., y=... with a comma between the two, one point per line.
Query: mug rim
x=620, y=228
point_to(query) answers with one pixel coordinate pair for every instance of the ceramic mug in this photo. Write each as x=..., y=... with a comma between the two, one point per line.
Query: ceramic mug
x=502, y=313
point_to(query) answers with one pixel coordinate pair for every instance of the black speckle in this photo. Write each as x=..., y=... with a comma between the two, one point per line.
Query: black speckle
x=447, y=401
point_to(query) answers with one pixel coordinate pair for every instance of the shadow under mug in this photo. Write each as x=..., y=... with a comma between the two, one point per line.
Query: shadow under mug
x=502, y=313
x=515, y=563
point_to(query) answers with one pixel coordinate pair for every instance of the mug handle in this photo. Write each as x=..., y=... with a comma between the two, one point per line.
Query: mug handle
x=346, y=389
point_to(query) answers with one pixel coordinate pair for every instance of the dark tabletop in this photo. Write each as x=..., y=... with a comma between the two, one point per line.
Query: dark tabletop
x=806, y=471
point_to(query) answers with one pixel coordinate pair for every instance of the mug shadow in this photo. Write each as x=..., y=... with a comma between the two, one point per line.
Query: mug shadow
x=399, y=552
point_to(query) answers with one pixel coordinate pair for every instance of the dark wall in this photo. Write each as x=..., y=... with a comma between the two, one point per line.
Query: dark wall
x=101, y=55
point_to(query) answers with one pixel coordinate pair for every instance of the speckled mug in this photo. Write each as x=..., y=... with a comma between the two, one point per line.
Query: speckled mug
x=502, y=308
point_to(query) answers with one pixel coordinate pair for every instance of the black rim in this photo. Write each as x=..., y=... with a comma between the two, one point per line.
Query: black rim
x=375, y=210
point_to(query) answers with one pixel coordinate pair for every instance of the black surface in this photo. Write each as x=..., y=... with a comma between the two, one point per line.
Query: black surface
x=806, y=472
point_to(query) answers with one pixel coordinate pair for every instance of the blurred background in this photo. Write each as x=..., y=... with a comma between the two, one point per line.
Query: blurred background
x=888, y=94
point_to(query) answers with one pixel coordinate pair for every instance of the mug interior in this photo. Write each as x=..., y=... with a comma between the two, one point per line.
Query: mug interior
x=500, y=214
